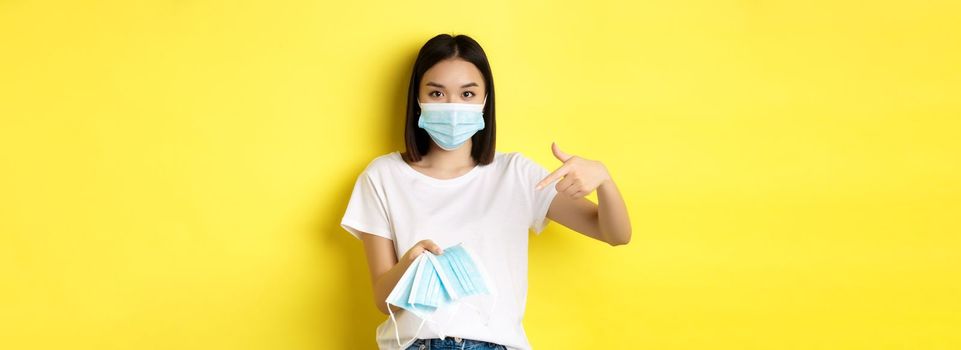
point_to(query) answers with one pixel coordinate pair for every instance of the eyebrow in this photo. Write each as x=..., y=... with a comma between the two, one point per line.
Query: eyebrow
x=430, y=83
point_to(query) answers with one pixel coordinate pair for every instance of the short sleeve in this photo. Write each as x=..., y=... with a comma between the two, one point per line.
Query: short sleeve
x=367, y=209
x=541, y=199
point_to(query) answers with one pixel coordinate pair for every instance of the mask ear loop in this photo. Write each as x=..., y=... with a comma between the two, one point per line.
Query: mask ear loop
x=441, y=334
x=418, y=262
x=397, y=331
x=491, y=288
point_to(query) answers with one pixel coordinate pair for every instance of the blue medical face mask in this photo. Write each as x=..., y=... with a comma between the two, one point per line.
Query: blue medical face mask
x=451, y=124
x=435, y=281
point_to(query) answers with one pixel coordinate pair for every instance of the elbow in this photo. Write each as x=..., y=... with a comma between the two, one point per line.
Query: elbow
x=381, y=306
x=619, y=242
x=622, y=239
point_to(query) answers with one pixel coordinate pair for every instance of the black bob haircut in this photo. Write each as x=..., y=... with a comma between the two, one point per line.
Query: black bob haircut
x=439, y=48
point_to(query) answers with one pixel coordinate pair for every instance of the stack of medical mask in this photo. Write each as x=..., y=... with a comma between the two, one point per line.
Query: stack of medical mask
x=433, y=281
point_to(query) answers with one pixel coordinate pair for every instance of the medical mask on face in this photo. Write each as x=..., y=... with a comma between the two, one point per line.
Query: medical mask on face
x=436, y=281
x=451, y=124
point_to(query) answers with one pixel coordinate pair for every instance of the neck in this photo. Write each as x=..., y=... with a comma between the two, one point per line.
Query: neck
x=442, y=159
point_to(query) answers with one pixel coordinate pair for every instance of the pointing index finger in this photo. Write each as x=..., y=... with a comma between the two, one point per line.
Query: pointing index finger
x=557, y=174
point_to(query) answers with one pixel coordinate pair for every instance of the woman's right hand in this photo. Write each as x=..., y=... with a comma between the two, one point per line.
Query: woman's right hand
x=419, y=248
x=386, y=269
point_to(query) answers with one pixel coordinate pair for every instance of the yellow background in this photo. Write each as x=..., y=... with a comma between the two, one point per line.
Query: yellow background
x=173, y=173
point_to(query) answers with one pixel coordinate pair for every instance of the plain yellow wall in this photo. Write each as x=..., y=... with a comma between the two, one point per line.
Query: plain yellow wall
x=173, y=173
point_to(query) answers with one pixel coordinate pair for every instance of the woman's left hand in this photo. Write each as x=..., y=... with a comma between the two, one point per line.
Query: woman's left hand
x=579, y=176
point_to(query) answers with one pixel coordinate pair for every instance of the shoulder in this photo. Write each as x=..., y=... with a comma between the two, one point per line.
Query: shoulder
x=516, y=161
x=510, y=157
x=381, y=164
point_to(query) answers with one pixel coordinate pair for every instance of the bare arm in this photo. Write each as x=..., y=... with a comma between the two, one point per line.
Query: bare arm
x=385, y=268
x=606, y=221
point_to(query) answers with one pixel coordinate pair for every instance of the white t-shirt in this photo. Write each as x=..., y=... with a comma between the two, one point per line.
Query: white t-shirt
x=490, y=209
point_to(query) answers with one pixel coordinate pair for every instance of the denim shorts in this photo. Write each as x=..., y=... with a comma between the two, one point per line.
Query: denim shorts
x=454, y=343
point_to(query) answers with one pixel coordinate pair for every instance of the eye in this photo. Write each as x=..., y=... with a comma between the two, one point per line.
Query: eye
x=468, y=94
x=435, y=93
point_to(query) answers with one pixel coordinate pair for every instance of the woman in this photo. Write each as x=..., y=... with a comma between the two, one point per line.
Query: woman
x=451, y=186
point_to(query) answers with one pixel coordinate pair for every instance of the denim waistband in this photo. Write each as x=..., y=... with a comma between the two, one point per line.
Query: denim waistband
x=453, y=343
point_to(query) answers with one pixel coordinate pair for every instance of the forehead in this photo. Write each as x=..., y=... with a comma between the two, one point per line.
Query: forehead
x=453, y=72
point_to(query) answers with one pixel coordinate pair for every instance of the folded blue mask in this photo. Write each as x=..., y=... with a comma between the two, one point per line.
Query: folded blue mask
x=451, y=124
x=435, y=281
